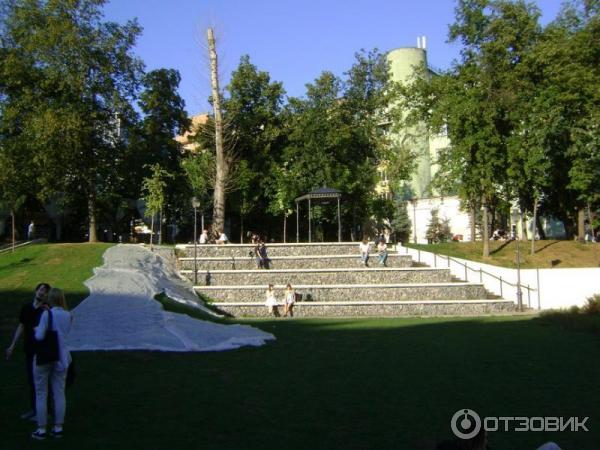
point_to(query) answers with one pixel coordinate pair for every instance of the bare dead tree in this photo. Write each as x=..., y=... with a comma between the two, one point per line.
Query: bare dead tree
x=221, y=160
x=206, y=133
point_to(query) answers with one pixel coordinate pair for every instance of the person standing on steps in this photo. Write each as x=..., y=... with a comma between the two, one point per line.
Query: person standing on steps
x=365, y=249
x=382, y=252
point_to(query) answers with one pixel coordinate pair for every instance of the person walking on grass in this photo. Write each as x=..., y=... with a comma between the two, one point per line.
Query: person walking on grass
x=57, y=318
x=29, y=318
x=290, y=300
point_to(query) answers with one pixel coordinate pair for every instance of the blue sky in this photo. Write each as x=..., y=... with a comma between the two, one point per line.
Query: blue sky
x=292, y=40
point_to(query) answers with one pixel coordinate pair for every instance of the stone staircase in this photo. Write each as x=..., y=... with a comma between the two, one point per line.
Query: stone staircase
x=331, y=281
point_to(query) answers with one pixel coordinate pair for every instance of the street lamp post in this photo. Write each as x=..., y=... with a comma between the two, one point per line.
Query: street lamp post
x=515, y=235
x=195, y=204
x=519, y=291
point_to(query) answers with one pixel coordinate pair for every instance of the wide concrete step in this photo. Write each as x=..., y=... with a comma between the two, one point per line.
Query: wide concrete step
x=241, y=250
x=349, y=292
x=354, y=276
x=290, y=262
x=476, y=307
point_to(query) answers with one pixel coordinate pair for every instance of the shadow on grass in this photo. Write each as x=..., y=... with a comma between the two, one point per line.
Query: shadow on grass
x=327, y=384
x=500, y=248
x=540, y=248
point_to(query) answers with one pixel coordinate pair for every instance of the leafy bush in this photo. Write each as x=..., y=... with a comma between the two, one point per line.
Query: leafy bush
x=592, y=306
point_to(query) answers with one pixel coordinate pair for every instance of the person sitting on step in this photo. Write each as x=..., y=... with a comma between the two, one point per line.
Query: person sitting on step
x=271, y=301
x=290, y=300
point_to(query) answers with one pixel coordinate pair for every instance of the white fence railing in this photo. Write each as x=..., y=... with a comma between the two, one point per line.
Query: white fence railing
x=542, y=288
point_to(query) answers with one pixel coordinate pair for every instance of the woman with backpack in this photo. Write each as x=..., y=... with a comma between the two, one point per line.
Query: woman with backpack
x=55, y=319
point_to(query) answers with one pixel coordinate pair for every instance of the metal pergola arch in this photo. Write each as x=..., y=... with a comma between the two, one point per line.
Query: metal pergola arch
x=321, y=195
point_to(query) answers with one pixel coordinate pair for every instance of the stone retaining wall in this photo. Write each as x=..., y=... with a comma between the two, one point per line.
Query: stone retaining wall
x=243, y=250
x=322, y=262
x=256, y=294
x=353, y=276
x=375, y=309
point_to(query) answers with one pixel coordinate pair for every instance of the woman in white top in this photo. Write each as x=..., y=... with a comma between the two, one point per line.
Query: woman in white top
x=204, y=237
x=223, y=239
x=271, y=302
x=365, y=249
x=290, y=300
x=54, y=372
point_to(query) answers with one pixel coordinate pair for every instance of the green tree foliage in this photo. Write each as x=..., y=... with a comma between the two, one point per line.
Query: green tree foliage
x=568, y=84
x=401, y=224
x=164, y=117
x=336, y=137
x=519, y=107
x=66, y=77
x=438, y=230
x=253, y=112
x=154, y=188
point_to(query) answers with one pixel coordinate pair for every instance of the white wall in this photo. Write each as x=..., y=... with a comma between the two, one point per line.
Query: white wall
x=557, y=288
x=419, y=212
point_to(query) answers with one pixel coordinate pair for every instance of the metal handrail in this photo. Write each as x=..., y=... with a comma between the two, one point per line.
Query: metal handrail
x=481, y=273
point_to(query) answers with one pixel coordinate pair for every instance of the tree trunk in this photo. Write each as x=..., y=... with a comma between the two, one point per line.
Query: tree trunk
x=222, y=168
x=241, y=228
x=160, y=219
x=523, y=226
x=152, y=233
x=540, y=228
x=92, y=232
x=473, y=224
x=569, y=222
x=284, y=227
x=13, y=229
x=485, y=232
x=581, y=224
x=591, y=218
x=535, y=220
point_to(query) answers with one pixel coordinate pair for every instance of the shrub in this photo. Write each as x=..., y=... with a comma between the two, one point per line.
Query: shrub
x=592, y=305
x=438, y=230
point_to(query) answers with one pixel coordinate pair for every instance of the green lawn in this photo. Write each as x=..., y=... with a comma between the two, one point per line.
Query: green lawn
x=548, y=253
x=324, y=384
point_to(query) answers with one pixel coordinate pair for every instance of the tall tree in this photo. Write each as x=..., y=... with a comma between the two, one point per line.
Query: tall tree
x=222, y=160
x=477, y=100
x=81, y=75
x=154, y=194
x=566, y=61
x=253, y=111
x=164, y=118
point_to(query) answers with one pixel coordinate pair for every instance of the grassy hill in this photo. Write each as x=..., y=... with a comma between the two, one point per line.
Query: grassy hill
x=323, y=384
x=549, y=253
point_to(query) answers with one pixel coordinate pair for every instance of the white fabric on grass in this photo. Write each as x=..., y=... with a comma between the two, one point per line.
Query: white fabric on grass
x=121, y=313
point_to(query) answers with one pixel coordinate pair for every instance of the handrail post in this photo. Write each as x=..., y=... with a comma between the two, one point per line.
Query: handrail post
x=466, y=273
x=435, y=260
x=538, y=288
x=501, y=294
x=528, y=297
x=480, y=275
